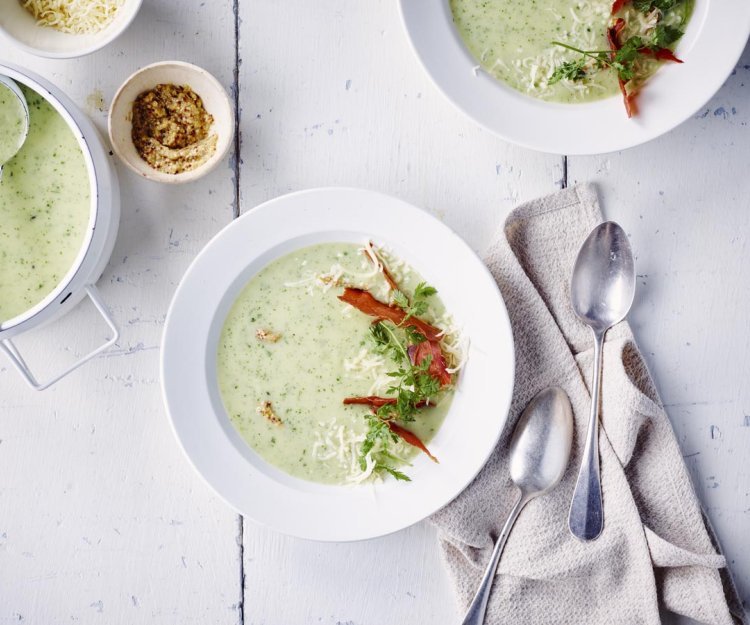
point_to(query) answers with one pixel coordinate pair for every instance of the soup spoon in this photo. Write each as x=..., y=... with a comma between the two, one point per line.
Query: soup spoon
x=539, y=452
x=16, y=122
x=601, y=290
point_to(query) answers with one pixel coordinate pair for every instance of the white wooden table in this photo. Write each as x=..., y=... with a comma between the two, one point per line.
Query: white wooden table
x=101, y=518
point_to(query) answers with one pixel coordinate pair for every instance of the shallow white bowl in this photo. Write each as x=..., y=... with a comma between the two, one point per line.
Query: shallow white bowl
x=714, y=40
x=188, y=367
x=19, y=27
x=215, y=100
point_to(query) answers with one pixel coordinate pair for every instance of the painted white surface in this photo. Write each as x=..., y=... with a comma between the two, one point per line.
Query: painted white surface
x=102, y=520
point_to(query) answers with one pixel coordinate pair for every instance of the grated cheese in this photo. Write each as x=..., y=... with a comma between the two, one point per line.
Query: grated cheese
x=74, y=16
x=531, y=74
x=334, y=440
x=453, y=342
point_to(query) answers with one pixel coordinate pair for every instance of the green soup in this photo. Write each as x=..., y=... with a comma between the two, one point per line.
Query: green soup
x=313, y=352
x=512, y=41
x=44, y=210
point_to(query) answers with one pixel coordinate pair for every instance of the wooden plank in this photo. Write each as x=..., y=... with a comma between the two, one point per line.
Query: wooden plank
x=331, y=94
x=102, y=519
x=396, y=579
x=340, y=99
x=684, y=201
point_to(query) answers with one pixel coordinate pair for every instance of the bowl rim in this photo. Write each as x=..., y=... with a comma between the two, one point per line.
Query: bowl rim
x=153, y=174
x=122, y=26
x=241, y=249
x=46, y=91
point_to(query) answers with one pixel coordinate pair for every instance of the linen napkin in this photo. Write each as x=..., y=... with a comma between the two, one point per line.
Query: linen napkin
x=656, y=546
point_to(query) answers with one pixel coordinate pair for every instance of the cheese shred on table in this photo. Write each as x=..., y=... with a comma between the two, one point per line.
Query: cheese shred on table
x=76, y=17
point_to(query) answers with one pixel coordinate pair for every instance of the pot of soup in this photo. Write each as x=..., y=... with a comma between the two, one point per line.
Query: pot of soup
x=59, y=214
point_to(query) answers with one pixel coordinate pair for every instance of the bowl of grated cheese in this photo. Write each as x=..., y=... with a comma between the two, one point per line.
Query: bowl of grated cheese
x=62, y=30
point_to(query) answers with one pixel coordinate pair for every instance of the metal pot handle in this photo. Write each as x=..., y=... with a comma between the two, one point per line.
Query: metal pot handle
x=20, y=364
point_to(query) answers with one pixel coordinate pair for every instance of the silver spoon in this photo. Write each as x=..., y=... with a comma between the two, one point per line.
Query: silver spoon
x=13, y=87
x=601, y=290
x=539, y=453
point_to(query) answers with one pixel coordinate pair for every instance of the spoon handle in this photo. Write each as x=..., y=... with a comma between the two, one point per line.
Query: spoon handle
x=586, y=518
x=478, y=607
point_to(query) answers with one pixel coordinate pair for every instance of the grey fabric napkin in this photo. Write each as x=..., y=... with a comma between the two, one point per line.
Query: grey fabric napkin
x=656, y=546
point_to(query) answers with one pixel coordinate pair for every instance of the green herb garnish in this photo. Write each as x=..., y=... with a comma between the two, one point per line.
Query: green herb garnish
x=394, y=472
x=646, y=6
x=665, y=36
x=418, y=305
x=378, y=430
x=569, y=70
x=412, y=387
x=622, y=61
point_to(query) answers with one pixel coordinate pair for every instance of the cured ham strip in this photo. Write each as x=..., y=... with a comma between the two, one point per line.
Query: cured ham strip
x=613, y=36
x=628, y=99
x=438, y=368
x=411, y=438
x=377, y=402
x=365, y=302
x=663, y=54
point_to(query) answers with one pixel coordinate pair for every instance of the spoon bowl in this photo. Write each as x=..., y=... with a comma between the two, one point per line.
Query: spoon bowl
x=603, y=283
x=14, y=121
x=539, y=453
x=540, y=448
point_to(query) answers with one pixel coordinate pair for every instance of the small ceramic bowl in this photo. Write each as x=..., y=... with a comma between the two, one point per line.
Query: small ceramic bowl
x=19, y=27
x=215, y=100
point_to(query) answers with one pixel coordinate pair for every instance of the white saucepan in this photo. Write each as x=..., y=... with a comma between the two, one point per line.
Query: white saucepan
x=98, y=241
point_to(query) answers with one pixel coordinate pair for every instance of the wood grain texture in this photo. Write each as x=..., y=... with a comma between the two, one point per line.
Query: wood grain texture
x=343, y=101
x=101, y=518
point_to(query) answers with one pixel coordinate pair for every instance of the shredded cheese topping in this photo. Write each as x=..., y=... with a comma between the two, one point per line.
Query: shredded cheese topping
x=76, y=17
x=453, y=342
x=334, y=440
x=534, y=72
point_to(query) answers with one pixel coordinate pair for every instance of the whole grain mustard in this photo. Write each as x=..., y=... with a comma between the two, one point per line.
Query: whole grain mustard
x=171, y=129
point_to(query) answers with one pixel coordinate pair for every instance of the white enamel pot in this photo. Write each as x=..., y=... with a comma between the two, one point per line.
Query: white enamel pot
x=98, y=241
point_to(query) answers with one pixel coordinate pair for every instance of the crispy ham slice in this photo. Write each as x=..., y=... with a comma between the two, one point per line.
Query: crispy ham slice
x=378, y=402
x=365, y=302
x=663, y=54
x=411, y=438
x=613, y=36
x=438, y=368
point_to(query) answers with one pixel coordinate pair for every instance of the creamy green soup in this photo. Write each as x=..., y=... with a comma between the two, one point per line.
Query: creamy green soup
x=12, y=124
x=512, y=41
x=290, y=351
x=44, y=210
